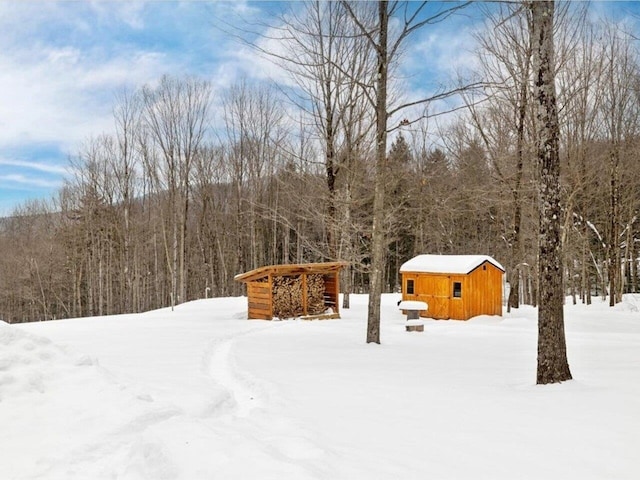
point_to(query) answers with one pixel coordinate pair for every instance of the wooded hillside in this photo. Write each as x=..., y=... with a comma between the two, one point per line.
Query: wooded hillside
x=193, y=185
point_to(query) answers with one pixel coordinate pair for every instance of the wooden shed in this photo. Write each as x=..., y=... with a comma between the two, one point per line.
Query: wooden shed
x=454, y=286
x=308, y=290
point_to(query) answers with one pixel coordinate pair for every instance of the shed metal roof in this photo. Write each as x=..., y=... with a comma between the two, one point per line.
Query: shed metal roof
x=456, y=264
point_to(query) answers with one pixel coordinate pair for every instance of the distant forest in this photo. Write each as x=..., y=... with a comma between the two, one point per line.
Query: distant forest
x=167, y=208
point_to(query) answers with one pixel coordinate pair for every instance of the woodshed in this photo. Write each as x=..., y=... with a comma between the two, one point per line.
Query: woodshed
x=308, y=290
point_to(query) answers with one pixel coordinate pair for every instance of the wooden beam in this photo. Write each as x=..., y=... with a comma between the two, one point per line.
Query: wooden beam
x=304, y=294
x=337, y=292
x=270, y=282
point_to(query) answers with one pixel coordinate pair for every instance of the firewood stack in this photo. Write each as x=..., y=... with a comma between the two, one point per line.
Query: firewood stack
x=287, y=296
x=315, y=294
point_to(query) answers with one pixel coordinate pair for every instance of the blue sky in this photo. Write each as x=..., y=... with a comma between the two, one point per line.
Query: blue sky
x=62, y=63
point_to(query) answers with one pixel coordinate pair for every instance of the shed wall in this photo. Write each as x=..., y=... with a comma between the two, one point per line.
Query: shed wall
x=259, y=297
x=485, y=287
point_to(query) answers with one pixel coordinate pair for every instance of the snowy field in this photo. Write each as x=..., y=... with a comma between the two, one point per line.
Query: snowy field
x=202, y=393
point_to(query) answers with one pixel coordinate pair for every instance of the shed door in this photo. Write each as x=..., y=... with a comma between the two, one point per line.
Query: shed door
x=435, y=291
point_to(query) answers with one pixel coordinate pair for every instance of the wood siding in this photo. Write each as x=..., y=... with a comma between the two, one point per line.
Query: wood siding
x=485, y=291
x=332, y=291
x=260, y=303
x=480, y=294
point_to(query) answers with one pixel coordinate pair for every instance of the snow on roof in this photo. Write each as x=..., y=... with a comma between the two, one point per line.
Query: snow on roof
x=461, y=264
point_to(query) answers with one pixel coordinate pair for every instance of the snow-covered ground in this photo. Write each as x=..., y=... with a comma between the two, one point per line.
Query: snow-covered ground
x=202, y=393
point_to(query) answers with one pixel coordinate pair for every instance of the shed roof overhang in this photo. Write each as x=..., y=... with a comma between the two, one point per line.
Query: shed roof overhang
x=291, y=269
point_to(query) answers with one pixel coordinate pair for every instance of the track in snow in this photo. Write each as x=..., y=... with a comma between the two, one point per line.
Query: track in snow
x=224, y=371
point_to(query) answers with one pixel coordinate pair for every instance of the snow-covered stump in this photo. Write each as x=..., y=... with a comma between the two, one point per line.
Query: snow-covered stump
x=413, y=309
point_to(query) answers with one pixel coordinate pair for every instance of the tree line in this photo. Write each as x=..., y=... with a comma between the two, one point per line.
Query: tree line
x=194, y=185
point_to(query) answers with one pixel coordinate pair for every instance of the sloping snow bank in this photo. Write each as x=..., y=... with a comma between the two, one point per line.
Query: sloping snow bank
x=59, y=411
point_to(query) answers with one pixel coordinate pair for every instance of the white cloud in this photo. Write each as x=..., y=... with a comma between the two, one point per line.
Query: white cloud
x=52, y=91
x=446, y=52
x=38, y=166
x=128, y=12
x=64, y=95
x=63, y=56
x=8, y=181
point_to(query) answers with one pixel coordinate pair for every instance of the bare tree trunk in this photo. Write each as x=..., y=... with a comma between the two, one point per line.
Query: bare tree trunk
x=613, y=253
x=552, y=357
x=633, y=265
x=347, y=285
x=174, y=254
x=628, y=259
x=378, y=233
x=516, y=248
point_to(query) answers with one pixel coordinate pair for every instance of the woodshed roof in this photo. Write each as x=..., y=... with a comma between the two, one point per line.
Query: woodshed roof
x=290, y=269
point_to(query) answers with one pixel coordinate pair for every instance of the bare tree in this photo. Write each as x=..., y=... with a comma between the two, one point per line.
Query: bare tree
x=176, y=114
x=578, y=91
x=552, y=355
x=620, y=115
x=327, y=59
x=331, y=61
x=254, y=131
x=506, y=58
x=124, y=163
x=387, y=47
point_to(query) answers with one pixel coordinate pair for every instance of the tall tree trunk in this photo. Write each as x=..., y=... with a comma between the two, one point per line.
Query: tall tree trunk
x=516, y=248
x=174, y=254
x=613, y=250
x=633, y=265
x=330, y=169
x=552, y=357
x=378, y=234
x=347, y=285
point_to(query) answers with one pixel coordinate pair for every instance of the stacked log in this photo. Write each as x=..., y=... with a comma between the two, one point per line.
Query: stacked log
x=287, y=296
x=315, y=294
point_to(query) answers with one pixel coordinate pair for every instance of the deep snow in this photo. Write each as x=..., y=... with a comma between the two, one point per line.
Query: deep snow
x=203, y=393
